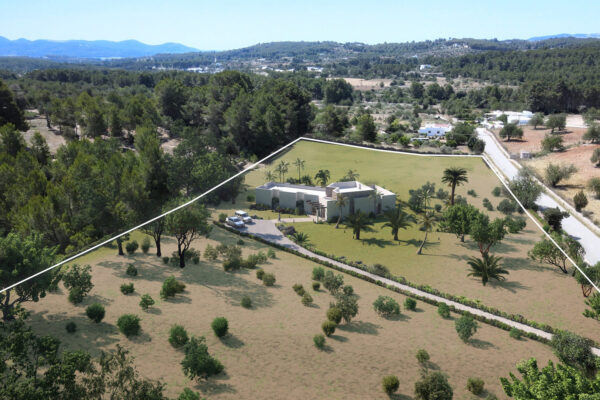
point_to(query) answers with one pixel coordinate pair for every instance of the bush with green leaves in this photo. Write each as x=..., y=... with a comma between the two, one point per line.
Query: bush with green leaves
x=188, y=394
x=580, y=200
x=316, y=286
x=260, y=273
x=299, y=289
x=129, y=324
x=334, y=314
x=319, y=341
x=178, y=336
x=443, y=310
x=220, y=326
x=318, y=273
x=246, y=302
x=497, y=191
x=131, y=247
x=410, y=304
x=554, y=173
x=328, y=327
x=465, y=327
x=71, y=327
x=348, y=289
x=390, y=384
x=348, y=306
x=171, y=287
x=471, y=192
x=488, y=204
x=386, y=306
x=146, y=301
x=433, y=385
x=475, y=386
x=95, y=312
x=222, y=217
x=210, y=253
x=232, y=264
x=131, y=270
x=507, y=206
x=165, y=260
x=271, y=253
x=261, y=257
x=146, y=245
x=198, y=363
x=78, y=281
x=250, y=198
x=573, y=350
x=127, y=288
x=268, y=279
x=240, y=242
x=422, y=356
x=515, y=224
x=515, y=333
x=307, y=299
x=333, y=282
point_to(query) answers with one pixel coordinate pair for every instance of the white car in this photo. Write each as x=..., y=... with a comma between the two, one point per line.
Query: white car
x=235, y=222
x=244, y=216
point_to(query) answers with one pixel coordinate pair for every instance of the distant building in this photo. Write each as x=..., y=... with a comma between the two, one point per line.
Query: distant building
x=435, y=130
x=424, y=67
x=514, y=117
x=321, y=201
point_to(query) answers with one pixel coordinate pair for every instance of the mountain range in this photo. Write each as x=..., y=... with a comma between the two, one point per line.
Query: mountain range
x=566, y=35
x=86, y=49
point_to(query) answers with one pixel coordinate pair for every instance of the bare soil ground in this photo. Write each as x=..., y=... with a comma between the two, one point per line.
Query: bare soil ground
x=532, y=139
x=54, y=139
x=269, y=352
x=367, y=84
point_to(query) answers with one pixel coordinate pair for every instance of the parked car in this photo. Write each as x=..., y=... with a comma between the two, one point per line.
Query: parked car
x=244, y=216
x=235, y=222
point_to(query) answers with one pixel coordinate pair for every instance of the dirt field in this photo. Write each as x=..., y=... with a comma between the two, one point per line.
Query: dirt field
x=54, y=139
x=367, y=84
x=532, y=139
x=269, y=353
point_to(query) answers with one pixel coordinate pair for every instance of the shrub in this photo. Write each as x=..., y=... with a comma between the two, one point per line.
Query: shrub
x=348, y=306
x=251, y=262
x=443, y=310
x=127, y=288
x=386, y=306
x=472, y=192
x=178, y=336
x=188, y=394
x=299, y=289
x=316, y=286
x=95, y=312
x=580, y=200
x=515, y=333
x=129, y=324
x=465, y=327
x=260, y=257
x=165, y=260
x=146, y=245
x=232, y=264
x=573, y=350
x=433, y=385
x=497, y=191
x=198, y=363
x=171, y=287
x=240, y=242
x=319, y=341
x=507, y=206
x=487, y=204
x=76, y=296
x=438, y=207
x=260, y=273
x=78, y=281
x=131, y=270
x=332, y=282
x=271, y=253
x=554, y=173
x=334, y=314
x=250, y=198
x=268, y=279
x=210, y=253
x=307, y=299
x=220, y=326
x=131, y=247
x=318, y=273
x=348, y=290
x=475, y=385
x=71, y=327
x=410, y=304
x=146, y=301
x=222, y=217
x=593, y=184
x=246, y=302
x=390, y=384
x=422, y=356
x=328, y=327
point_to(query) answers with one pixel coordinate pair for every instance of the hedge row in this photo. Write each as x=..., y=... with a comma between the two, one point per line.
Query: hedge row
x=459, y=299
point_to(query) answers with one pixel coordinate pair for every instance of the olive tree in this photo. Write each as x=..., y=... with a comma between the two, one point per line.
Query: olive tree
x=186, y=225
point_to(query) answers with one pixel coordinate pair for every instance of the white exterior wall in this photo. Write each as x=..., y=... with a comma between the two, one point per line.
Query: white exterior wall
x=388, y=202
x=287, y=199
x=309, y=197
x=363, y=204
x=263, y=196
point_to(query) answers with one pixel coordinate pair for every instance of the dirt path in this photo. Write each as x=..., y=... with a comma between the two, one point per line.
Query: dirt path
x=268, y=231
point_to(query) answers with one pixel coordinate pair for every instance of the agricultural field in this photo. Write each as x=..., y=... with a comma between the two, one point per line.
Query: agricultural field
x=269, y=352
x=443, y=264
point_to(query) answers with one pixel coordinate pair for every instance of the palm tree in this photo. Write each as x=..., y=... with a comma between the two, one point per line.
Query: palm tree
x=282, y=169
x=487, y=268
x=358, y=221
x=398, y=219
x=454, y=176
x=351, y=175
x=341, y=203
x=300, y=165
x=427, y=222
x=270, y=176
x=301, y=239
x=322, y=176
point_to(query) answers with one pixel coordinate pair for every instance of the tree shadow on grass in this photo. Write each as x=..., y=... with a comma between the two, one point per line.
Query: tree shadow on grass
x=153, y=311
x=367, y=328
x=400, y=396
x=397, y=317
x=377, y=242
x=339, y=338
x=232, y=341
x=95, y=298
x=481, y=344
x=511, y=286
x=179, y=299
x=140, y=338
x=212, y=386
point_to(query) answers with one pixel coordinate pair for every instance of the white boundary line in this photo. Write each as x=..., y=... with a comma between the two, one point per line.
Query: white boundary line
x=488, y=162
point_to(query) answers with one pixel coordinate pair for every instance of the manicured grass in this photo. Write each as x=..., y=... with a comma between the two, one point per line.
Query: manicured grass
x=272, y=342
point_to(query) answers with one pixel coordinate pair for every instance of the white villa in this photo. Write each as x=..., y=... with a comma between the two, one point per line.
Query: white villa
x=435, y=130
x=321, y=201
x=513, y=117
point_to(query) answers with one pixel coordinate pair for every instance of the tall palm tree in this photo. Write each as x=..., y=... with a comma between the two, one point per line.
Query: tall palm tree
x=398, y=219
x=341, y=203
x=351, y=175
x=282, y=169
x=427, y=222
x=322, y=177
x=270, y=176
x=454, y=176
x=301, y=239
x=300, y=165
x=487, y=268
x=358, y=222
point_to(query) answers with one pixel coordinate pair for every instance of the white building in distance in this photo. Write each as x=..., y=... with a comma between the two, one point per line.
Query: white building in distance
x=514, y=117
x=321, y=201
x=435, y=130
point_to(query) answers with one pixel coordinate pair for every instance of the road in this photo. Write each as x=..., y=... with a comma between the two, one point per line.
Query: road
x=588, y=239
x=267, y=230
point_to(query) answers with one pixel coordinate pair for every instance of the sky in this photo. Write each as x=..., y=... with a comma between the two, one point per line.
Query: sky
x=222, y=25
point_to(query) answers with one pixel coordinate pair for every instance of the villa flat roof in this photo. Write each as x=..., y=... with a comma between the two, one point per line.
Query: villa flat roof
x=289, y=188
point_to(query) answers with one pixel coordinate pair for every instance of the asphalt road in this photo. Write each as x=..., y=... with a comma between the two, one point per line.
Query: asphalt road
x=588, y=239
